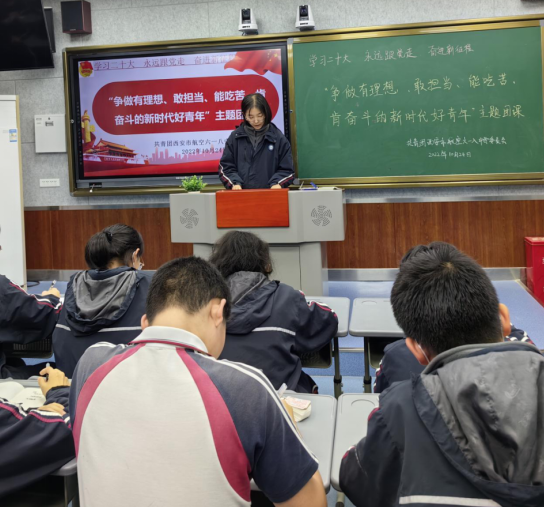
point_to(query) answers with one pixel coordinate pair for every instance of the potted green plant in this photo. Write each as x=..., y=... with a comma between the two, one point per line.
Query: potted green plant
x=193, y=184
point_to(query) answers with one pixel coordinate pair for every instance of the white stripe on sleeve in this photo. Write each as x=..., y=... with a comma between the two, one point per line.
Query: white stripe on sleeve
x=280, y=329
x=108, y=329
x=286, y=178
x=447, y=500
x=225, y=176
x=274, y=396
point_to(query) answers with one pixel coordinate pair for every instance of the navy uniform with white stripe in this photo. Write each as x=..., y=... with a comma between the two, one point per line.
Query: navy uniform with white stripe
x=268, y=164
x=99, y=305
x=271, y=325
x=398, y=363
x=257, y=154
x=466, y=432
x=34, y=443
x=24, y=318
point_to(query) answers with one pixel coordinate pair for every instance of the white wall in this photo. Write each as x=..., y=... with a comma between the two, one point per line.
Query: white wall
x=126, y=21
x=12, y=237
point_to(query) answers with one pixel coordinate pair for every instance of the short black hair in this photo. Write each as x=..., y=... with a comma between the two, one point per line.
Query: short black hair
x=117, y=241
x=443, y=299
x=258, y=101
x=189, y=283
x=241, y=251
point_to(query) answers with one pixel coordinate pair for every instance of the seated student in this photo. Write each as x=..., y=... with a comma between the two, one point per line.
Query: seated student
x=162, y=421
x=105, y=303
x=37, y=442
x=271, y=323
x=398, y=363
x=25, y=318
x=468, y=430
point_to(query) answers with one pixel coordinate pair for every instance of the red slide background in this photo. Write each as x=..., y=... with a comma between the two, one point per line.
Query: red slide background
x=105, y=111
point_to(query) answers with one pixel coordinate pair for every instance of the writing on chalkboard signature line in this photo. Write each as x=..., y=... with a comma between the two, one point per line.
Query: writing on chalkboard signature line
x=456, y=141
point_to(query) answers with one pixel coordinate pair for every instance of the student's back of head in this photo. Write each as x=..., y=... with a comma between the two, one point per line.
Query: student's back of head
x=105, y=303
x=272, y=324
x=116, y=245
x=188, y=284
x=241, y=251
x=443, y=299
x=468, y=429
x=229, y=423
x=189, y=293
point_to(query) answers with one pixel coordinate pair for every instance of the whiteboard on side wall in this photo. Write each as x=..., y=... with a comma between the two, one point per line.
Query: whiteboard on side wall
x=12, y=229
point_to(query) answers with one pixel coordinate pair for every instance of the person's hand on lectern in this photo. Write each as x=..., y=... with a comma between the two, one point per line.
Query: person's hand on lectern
x=275, y=186
x=236, y=187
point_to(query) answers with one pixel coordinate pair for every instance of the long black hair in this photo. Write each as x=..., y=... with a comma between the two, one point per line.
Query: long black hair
x=256, y=100
x=241, y=251
x=117, y=241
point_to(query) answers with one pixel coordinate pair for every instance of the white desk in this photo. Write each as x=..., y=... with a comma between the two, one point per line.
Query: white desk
x=351, y=425
x=373, y=319
x=341, y=308
x=318, y=432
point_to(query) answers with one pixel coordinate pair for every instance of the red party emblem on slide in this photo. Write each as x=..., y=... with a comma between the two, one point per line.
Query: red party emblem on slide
x=177, y=105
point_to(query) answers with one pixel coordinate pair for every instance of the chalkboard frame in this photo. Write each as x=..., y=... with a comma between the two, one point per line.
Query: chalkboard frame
x=530, y=178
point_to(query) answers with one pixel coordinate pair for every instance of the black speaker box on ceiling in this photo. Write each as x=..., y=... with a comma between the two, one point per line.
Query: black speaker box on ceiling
x=76, y=17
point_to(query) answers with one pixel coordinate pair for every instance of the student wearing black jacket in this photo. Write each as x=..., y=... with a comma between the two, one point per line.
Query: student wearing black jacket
x=25, y=318
x=271, y=323
x=468, y=430
x=35, y=443
x=257, y=154
x=398, y=363
x=105, y=303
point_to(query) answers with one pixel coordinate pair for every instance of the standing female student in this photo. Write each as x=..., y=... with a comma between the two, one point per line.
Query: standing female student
x=105, y=303
x=257, y=154
x=271, y=323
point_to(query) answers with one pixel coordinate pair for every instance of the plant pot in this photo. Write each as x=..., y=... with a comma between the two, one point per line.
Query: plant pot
x=194, y=192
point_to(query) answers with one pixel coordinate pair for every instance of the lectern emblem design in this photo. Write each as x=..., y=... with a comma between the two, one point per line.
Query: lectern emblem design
x=321, y=216
x=189, y=218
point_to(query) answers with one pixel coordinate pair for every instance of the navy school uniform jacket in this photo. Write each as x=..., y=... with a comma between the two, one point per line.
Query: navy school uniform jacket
x=33, y=444
x=99, y=306
x=398, y=363
x=467, y=431
x=272, y=324
x=24, y=318
x=270, y=164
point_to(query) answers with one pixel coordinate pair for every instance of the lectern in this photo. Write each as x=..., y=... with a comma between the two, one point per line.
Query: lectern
x=296, y=224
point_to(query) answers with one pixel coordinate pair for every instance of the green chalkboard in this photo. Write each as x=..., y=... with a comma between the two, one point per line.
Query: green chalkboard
x=457, y=105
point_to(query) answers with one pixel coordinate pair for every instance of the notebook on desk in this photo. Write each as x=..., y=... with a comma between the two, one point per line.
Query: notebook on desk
x=28, y=397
